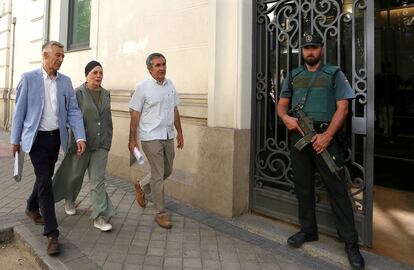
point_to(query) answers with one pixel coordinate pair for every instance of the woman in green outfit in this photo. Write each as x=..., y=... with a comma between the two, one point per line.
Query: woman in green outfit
x=95, y=104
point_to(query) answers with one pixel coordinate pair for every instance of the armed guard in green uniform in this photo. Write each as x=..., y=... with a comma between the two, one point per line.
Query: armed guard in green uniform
x=318, y=96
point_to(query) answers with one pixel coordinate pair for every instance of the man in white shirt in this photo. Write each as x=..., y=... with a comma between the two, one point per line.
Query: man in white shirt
x=45, y=107
x=154, y=109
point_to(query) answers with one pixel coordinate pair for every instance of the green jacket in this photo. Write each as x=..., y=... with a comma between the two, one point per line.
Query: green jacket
x=97, y=122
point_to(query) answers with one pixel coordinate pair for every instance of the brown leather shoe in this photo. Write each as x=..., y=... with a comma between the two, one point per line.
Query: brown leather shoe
x=140, y=195
x=163, y=219
x=52, y=245
x=35, y=216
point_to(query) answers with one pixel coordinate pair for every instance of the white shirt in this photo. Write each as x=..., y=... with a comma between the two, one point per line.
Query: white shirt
x=49, y=119
x=156, y=103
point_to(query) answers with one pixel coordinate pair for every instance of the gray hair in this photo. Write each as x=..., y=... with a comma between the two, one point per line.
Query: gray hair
x=48, y=45
x=151, y=57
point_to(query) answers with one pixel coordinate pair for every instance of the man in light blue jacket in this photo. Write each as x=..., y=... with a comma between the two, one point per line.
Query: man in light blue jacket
x=45, y=108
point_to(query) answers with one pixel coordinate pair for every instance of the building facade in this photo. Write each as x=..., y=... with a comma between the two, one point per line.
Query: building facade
x=208, y=49
x=227, y=59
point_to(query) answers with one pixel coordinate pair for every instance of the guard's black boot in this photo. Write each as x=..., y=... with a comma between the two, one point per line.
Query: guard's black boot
x=354, y=256
x=299, y=238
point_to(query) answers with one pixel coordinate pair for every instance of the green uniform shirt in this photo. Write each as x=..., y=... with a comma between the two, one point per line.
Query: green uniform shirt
x=329, y=86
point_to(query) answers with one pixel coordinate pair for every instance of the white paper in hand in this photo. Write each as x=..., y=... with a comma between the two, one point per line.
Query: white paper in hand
x=18, y=166
x=138, y=156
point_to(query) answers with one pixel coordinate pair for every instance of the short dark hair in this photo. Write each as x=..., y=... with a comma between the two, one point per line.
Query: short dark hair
x=50, y=43
x=151, y=57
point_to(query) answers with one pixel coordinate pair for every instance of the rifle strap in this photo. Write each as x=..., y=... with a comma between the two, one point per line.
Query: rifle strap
x=303, y=100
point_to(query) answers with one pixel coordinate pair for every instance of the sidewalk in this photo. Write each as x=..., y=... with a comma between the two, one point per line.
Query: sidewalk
x=198, y=240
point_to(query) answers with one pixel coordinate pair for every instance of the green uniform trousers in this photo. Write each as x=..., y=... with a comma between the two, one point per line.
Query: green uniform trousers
x=160, y=155
x=69, y=177
x=304, y=164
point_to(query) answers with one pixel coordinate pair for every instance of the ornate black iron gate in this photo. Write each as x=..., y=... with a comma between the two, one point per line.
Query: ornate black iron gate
x=347, y=28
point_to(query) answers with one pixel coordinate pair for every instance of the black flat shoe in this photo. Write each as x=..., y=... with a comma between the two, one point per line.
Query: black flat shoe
x=354, y=256
x=299, y=238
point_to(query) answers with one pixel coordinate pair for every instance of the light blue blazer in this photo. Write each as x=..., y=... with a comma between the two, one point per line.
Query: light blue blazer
x=30, y=99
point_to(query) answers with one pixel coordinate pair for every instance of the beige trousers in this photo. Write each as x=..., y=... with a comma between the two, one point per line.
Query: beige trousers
x=160, y=155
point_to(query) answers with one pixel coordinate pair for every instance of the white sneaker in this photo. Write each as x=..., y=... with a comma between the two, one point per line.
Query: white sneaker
x=70, y=208
x=101, y=224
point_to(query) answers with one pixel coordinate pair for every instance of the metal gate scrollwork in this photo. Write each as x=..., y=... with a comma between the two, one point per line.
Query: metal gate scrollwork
x=278, y=27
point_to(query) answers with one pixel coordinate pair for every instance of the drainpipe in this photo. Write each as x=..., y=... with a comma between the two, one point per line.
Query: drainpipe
x=7, y=89
x=46, y=19
x=10, y=90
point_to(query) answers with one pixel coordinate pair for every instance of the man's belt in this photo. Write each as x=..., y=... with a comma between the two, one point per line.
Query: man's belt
x=49, y=132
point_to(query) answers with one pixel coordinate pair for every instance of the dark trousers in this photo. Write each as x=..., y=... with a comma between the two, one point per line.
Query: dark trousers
x=304, y=164
x=44, y=154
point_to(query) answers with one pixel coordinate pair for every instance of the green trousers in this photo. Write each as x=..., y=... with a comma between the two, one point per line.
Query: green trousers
x=68, y=179
x=160, y=155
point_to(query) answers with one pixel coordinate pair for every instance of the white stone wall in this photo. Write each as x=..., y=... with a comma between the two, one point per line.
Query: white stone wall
x=28, y=40
x=207, y=44
x=29, y=36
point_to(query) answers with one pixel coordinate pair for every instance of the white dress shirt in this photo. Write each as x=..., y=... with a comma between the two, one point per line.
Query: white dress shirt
x=156, y=103
x=49, y=119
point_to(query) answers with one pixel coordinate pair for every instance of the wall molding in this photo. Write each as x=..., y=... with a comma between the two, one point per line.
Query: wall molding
x=3, y=93
x=37, y=18
x=192, y=105
x=36, y=40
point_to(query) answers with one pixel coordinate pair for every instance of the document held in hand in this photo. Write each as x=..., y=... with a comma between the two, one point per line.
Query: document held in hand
x=139, y=157
x=18, y=166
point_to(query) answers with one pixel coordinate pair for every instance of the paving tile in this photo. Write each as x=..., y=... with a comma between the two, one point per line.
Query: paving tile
x=173, y=262
x=156, y=251
x=151, y=267
x=156, y=244
x=116, y=257
x=270, y=266
x=137, y=250
x=76, y=263
x=119, y=248
x=289, y=266
x=245, y=256
x=98, y=256
x=132, y=267
x=230, y=265
x=249, y=265
x=192, y=262
x=88, y=266
x=190, y=253
x=134, y=259
x=211, y=264
x=171, y=244
x=112, y=266
x=210, y=255
x=140, y=243
x=173, y=252
x=153, y=260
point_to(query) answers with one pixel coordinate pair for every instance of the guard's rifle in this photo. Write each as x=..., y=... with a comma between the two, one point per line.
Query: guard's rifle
x=306, y=125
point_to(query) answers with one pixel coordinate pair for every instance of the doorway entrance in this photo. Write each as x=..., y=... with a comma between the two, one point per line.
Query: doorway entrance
x=394, y=94
x=347, y=29
x=393, y=217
